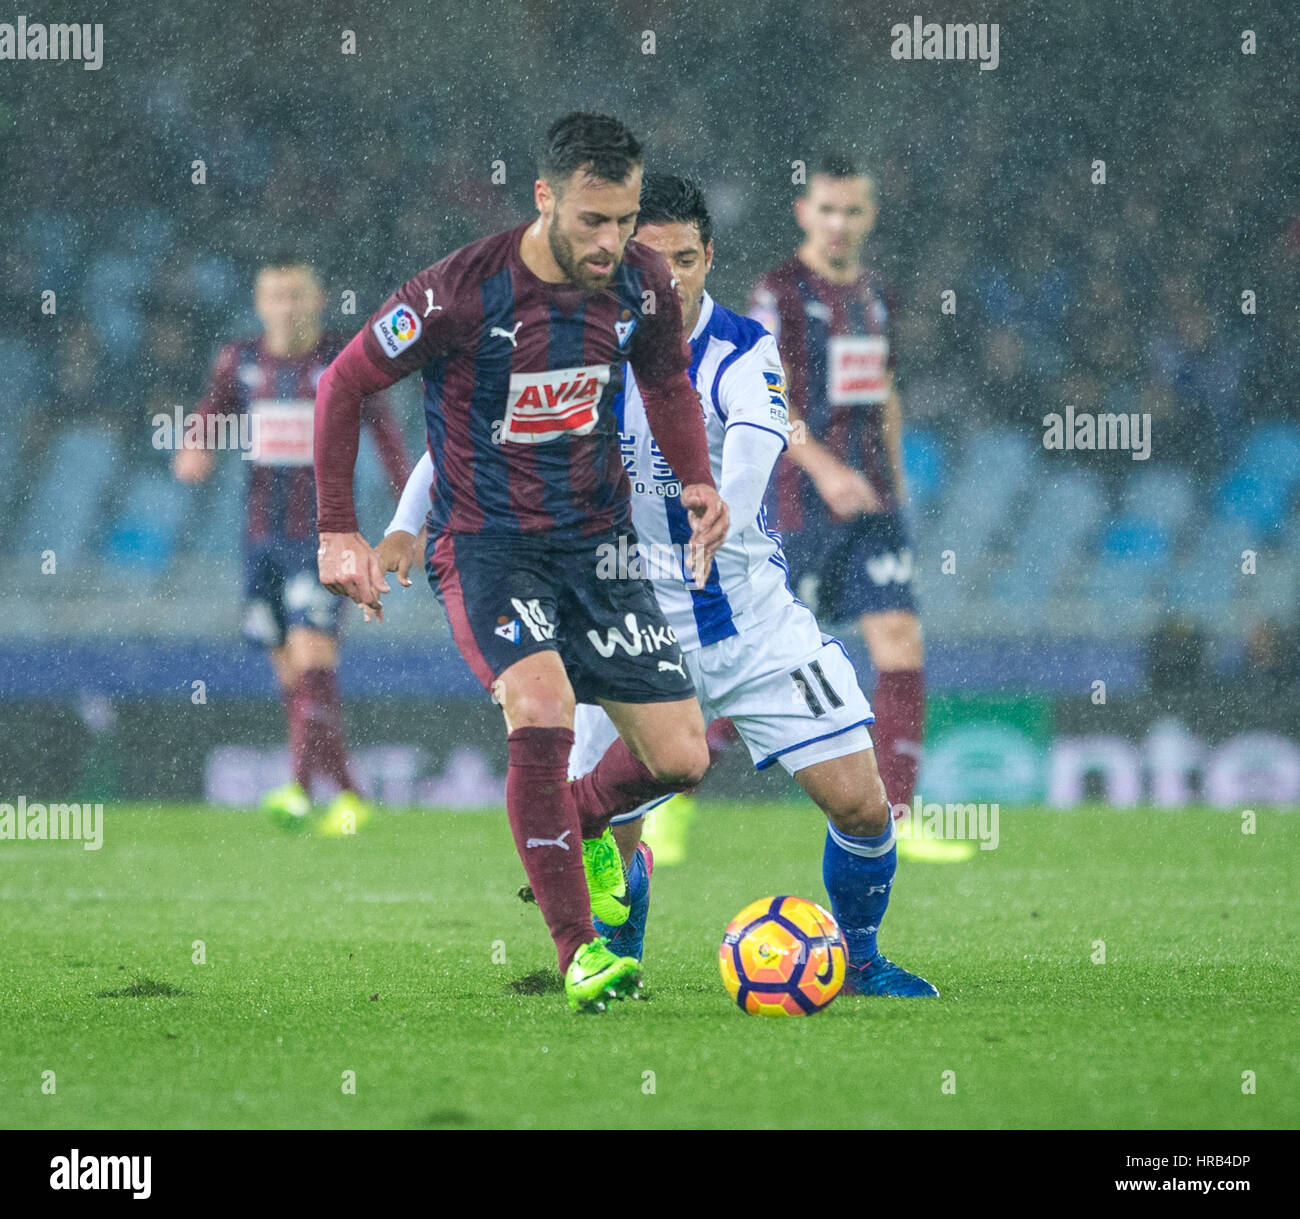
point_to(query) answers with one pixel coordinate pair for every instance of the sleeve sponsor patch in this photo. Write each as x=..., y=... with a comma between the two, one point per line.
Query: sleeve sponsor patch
x=397, y=330
x=778, y=399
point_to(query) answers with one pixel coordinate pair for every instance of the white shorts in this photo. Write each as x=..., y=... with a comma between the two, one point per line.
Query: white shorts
x=790, y=690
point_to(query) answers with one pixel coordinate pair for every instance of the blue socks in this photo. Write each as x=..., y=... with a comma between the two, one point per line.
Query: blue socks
x=858, y=874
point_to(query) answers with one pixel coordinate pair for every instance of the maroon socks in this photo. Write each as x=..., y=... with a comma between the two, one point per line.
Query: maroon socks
x=316, y=745
x=619, y=783
x=548, y=834
x=899, y=704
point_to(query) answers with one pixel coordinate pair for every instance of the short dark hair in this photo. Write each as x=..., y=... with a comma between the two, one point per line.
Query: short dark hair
x=595, y=142
x=284, y=260
x=837, y=164
x=668, y=199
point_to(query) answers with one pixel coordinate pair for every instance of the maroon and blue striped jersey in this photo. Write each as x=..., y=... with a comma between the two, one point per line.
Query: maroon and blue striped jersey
x=520, y=377
x=279, y=392
x=836, y=341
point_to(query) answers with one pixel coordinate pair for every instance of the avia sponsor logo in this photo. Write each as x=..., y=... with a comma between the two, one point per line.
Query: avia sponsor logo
x=638, y=638
x=1084, y=430
x=397, y=330
x=930, y=40
x=75, y=1171
x=857, y=366
x=542, y=406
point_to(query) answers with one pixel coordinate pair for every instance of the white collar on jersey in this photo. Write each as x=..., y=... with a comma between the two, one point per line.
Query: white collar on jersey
x=706, y=312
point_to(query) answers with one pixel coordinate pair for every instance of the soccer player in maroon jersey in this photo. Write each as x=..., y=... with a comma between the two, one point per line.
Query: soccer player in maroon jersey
x=839, y=495
x=273, y=378
x=520, y=339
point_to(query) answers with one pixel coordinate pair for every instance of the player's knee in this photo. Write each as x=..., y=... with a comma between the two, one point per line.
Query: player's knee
x=538, y=708
x=683, y=765
x=866, y=817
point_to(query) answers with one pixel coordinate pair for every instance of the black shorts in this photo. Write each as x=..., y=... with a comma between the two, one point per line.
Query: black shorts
x=845, y=569
x=508, y=597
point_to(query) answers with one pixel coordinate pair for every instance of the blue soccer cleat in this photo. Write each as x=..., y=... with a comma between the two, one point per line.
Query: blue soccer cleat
x=628, y=939
x=880, y=976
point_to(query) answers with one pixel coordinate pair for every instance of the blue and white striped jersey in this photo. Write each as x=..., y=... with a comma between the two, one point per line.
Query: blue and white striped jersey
x=736, y=370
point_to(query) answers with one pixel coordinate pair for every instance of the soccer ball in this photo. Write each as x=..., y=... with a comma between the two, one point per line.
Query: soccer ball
x=783, y=956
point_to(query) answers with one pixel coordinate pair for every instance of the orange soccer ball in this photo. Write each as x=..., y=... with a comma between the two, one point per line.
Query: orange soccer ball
x=783, y=956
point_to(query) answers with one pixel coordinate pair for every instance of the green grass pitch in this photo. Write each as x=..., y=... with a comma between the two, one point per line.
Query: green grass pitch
x=375, y=955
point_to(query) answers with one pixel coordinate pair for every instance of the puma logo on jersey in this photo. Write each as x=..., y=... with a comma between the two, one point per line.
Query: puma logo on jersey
x=667, y=665
x=503, y=333
x=428, y=296
x=550, y=842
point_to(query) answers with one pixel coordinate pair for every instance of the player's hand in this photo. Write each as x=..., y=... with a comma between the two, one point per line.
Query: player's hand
x=846, y=493
x=348, y=567
x=397, y=552
x=192, y=465
x=709, y=523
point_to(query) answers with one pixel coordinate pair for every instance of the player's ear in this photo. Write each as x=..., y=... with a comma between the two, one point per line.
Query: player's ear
x=801, y=212
x=544, y=197
x=708, y=257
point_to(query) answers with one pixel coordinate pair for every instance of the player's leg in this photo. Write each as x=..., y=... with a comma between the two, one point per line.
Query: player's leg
x=628, y=898
x=313, y=617
x=265, y=626
x=500, y=600
x=794, y=698
x=879, y=592
x=897, y=650
x=859, y=861
x=626, y=657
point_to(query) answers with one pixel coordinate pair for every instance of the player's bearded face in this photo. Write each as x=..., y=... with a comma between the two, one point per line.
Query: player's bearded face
x=590, y=226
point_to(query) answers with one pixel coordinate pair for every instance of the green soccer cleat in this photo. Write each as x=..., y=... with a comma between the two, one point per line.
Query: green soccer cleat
x=606, y=879
x=347, y=814
x=595, y=976
x=288, y=806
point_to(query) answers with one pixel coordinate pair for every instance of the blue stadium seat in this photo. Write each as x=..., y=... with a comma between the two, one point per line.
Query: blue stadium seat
x=924, y=465
x=1274, y=448
x=153, y=513
x=374, y=495
x=996, y=470
x=216, y=527
x=63, y=512
x=1258, y=497
x=1164, y=496
x=1061, y=520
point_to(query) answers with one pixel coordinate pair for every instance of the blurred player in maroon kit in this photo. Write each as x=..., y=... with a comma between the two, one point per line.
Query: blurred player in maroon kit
x=839, y=494
x=520, y=339
x=273, y=377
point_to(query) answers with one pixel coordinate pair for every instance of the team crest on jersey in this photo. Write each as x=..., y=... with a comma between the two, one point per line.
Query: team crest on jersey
x=778, y=399
x=250, y=376
x=624, y=326
x=509, y=631
x=542, y=406
x=397, y=330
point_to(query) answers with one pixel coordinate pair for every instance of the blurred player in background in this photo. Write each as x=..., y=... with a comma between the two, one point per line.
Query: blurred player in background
x=273, y=377
x=521, y=339
x=838, y=499
x=754, y=653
